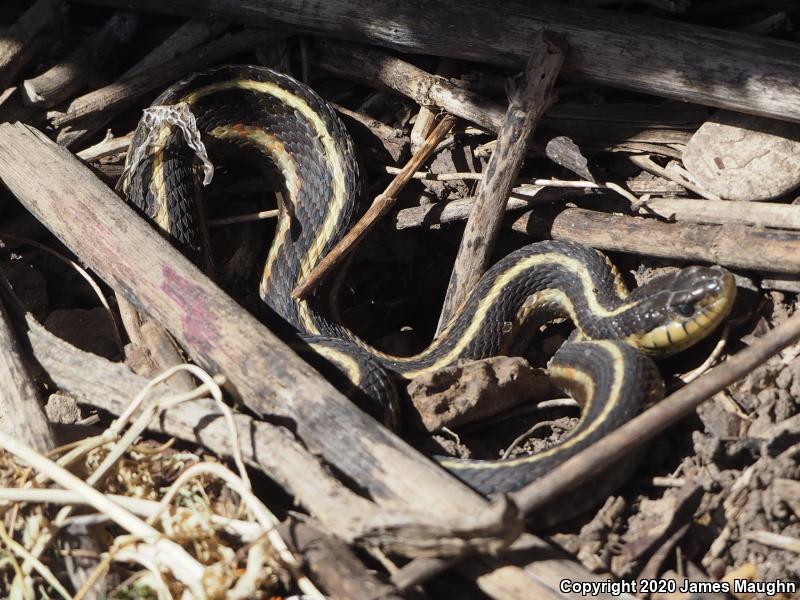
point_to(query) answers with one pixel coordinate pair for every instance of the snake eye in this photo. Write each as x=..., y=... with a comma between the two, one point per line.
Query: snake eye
x=684, y=309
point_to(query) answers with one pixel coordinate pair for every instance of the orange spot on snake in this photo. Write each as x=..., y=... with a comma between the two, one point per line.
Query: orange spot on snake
x=241, y=129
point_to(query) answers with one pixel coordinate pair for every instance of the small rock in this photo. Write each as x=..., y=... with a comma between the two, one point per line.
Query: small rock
x=138, y=360
x=743, y=157
x=719, y=422
x=468, y=391
x=62, y=409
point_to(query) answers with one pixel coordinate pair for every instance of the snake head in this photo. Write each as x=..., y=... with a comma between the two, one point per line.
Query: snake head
x=680, y=309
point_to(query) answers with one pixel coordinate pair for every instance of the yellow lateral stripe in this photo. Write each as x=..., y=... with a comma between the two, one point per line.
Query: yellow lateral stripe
x=281, y=229
x=271, y=146
x=584, y=379
x=343, y=360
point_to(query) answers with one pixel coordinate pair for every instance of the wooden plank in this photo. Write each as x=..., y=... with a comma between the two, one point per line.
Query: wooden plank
x=729, y=69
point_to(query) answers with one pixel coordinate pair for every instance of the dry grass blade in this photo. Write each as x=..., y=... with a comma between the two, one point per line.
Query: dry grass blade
x=145, y=545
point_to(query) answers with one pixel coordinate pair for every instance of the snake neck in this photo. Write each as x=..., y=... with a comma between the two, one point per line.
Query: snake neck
x=547, y=278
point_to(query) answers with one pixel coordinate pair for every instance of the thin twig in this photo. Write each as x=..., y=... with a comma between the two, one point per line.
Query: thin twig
x=81, y=271
x=645, y=162
x=524, y=181
x=109, y=146
x=257, y=216
x=382, y=204
x=525, y=435
x=712, y=357
x=478, y=176
x=40, y=567
x=774, y=540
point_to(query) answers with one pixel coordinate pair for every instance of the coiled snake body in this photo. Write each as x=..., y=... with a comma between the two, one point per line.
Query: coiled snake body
x=272, y=118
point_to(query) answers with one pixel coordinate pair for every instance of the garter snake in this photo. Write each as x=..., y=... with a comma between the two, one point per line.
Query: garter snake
x=273, y=119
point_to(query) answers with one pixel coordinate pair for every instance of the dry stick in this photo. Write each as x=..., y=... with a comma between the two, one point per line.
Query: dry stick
x=644, y=161
x=728, y=245
x=163, y=351
x=725, y=212
x=380, y=206
x=135, y=260
x=363, y=127
x=522, y=181
x=628, y=438
x=334, y=565
x=63, y=79
x=423, y=125
x=21, y=411
x=426, y=116
x=108, y=147
x=372, y=66
x=602, y=124
x=256, y=216
x=438, y=213
x=17, y=41
x=526, y=107
x=628, y=51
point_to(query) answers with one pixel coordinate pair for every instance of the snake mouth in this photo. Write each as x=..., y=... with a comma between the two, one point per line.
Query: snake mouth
x=681, y=332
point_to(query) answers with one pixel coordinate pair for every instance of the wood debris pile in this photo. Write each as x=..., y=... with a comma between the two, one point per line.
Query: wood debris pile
x=661, y=132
